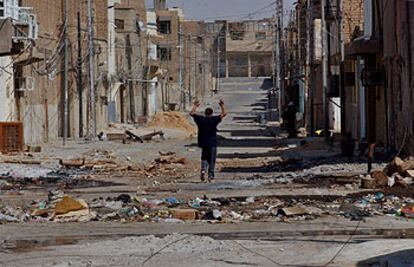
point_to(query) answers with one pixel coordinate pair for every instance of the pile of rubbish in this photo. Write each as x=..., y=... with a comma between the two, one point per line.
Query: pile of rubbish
x=397, y=173
x=125, y=208
x=60, y=207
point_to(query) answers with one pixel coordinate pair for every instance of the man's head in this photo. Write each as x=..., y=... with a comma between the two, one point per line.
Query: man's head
x=208, y=112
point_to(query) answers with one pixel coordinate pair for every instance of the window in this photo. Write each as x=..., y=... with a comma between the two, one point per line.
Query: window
x=237, y=36
x=260, y=36
x=120, y=24
x=164, y=53
x=200, y=68
x=164, y=27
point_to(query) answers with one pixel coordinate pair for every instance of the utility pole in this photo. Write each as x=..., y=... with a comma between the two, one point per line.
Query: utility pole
x=309, y=64
x=218, y=63
x=279, y=57
x=91, y=89
x=65, y=86
x=341, y=51
x=79, y=80
x=180, y=35
x=195, y=72
x=325, y=65
x=128, y=52
x=190, y=78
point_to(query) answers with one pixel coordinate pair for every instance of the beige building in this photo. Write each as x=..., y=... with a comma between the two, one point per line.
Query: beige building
x=249, y=48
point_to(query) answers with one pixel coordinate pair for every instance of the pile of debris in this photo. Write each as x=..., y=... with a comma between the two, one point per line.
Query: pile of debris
x=173, y=120
x=397, y=173
x=168, y=163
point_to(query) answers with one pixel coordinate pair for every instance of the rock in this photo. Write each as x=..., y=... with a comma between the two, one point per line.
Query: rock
x=72, y=163
x=293, y=211
x=380, y=178
x=368, y=183
x=68, y=204
x=184, y=214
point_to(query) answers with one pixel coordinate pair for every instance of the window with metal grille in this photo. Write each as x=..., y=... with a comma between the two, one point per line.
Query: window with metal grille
x=164, y=27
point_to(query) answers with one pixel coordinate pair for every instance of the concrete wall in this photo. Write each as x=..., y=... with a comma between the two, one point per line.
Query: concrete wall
x=7, y=103
x=398, y=32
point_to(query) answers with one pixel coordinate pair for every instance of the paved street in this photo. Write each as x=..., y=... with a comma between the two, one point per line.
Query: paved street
x=248, y=144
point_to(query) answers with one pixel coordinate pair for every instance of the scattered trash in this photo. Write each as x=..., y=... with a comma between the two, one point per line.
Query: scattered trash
x=7, y=218
x=184, y=214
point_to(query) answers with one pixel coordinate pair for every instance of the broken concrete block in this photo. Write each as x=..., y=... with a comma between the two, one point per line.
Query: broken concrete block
x=72, y=163
x=380, y=178
x=410, y=173
x=368, y=183
x=68, y=204
x=393, y=166
x=407, y=165
x=293, y=211
x=76, y=216
x=171, y=160
x=184, y=214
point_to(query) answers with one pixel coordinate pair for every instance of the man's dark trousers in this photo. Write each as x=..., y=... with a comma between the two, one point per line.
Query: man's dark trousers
x=208, y=160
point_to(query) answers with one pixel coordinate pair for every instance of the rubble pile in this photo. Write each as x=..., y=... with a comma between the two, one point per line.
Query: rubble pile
x=168, y=163
x=172, y=120
x=398, y=173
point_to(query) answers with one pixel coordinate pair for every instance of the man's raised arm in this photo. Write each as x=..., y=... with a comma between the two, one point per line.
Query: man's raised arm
x=196, y=105
x=223, y=109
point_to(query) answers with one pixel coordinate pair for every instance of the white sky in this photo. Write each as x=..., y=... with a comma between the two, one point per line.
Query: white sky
x=224, y=9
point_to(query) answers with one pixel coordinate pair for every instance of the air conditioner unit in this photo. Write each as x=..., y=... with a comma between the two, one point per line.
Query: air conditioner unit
x=23, y=84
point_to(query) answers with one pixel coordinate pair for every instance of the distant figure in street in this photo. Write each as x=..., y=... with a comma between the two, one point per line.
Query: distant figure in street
x=207, y=137
x=290, y=120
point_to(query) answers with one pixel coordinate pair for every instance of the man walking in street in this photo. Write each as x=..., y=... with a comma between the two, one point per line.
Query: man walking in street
x=207, y=137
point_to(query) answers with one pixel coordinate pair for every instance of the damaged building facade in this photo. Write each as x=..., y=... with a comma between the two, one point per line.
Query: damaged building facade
x=242, y=48
x=369, y=95
x=137, y=67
